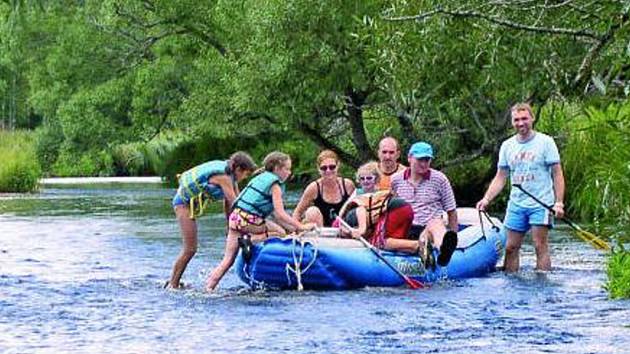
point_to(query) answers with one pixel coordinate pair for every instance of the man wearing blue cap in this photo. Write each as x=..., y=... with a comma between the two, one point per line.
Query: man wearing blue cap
x=430, y=194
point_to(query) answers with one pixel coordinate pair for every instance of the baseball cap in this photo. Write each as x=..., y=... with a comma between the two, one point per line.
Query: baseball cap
x=420, y=150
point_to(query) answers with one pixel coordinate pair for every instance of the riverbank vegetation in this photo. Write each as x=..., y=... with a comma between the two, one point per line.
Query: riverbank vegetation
x=595, y=152
x=618, y=270
x=19, y=170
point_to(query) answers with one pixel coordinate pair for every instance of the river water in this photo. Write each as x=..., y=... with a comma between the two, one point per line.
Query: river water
x=81, y=270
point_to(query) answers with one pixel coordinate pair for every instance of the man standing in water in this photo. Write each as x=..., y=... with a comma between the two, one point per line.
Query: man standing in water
x=388, y=154
x=532, y=160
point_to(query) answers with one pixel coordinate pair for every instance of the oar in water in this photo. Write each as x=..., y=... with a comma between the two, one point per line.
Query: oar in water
x=595, y=241
x=414, y=284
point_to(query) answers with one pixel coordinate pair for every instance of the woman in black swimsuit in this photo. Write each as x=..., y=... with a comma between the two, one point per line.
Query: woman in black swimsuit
x=324, y=197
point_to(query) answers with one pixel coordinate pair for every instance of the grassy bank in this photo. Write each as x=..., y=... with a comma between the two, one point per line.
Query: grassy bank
x=618, y=270
x=19, y=170
x=595, y=150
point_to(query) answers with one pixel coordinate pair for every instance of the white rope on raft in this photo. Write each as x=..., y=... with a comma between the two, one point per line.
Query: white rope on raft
x=297, y=260
x=253, y=283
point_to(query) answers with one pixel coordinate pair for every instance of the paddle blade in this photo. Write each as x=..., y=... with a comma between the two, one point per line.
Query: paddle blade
x=595, y=241
x=414, y=284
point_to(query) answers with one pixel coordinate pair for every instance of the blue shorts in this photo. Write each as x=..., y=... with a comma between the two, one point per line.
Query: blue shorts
x=177, y=200
x=522, y=219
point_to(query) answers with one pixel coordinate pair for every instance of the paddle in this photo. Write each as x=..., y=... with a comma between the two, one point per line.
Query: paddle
x=595, y=241
x=414, y=284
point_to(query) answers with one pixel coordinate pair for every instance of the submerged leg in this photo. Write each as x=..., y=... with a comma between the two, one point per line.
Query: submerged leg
x=231, y=250
x=512, y=248
x=540, y=236
x=188, y=228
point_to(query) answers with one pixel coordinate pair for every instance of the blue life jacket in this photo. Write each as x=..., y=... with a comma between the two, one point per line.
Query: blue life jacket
x=195, y=188
x=194, y=182
x=256, y=196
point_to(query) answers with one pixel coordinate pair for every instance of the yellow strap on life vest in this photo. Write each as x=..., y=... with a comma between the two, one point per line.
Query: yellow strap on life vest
x=199, y=200
x=193, y=172
x=197, y=205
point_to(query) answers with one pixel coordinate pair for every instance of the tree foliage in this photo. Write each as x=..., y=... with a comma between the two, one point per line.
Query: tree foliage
x=104, y=74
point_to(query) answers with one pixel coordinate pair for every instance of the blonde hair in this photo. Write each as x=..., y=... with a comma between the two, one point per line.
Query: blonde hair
x=523, y=106
x=370, y=168
x=327, y=154
x=275, y=159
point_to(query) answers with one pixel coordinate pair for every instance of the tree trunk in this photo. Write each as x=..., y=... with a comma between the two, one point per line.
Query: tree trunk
x=13, y=103
x=407, y=132
x=354, y=107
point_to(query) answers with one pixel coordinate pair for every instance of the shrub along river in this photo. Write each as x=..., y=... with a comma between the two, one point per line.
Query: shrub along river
x=82, y=268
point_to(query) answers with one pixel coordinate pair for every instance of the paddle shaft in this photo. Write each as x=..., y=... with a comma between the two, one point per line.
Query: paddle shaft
x=411, y=282
x=548, y=207
x=595, y=240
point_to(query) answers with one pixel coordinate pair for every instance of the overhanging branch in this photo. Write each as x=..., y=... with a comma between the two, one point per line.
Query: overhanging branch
x=580, y=33
x=324, y=142
x=596, y=48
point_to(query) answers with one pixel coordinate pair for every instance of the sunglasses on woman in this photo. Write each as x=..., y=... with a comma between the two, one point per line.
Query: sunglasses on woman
x=328, y=167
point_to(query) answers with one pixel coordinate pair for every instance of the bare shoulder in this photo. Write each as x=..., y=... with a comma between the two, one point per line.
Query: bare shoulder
x=275, y=188
x=311, y=187
x=310, y=191
x=222, y=180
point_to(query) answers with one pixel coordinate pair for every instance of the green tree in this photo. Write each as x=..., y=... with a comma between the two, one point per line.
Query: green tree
x=300, y=68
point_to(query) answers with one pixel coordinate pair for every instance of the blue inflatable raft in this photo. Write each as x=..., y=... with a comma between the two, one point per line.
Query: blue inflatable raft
x=329, y=263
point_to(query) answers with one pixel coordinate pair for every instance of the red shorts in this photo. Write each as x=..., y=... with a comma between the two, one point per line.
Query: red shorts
x=394, y=224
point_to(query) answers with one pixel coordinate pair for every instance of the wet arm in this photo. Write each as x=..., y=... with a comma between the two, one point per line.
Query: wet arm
x=558, y=190
x=362, y=221
x=558, y=183
x=308, y=197
x=229, y=194
x=361, y=228
x=497, y=184
x=279, y=212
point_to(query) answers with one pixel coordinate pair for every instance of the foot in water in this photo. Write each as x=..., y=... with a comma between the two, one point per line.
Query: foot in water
x=182, y=285
x=449, y=243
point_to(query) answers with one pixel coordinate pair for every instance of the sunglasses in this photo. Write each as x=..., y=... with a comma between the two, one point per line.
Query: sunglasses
x=328, y=167
x=366, y=178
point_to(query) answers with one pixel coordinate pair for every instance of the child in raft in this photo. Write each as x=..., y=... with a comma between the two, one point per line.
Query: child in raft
x=259, y=199
x=378, y=216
